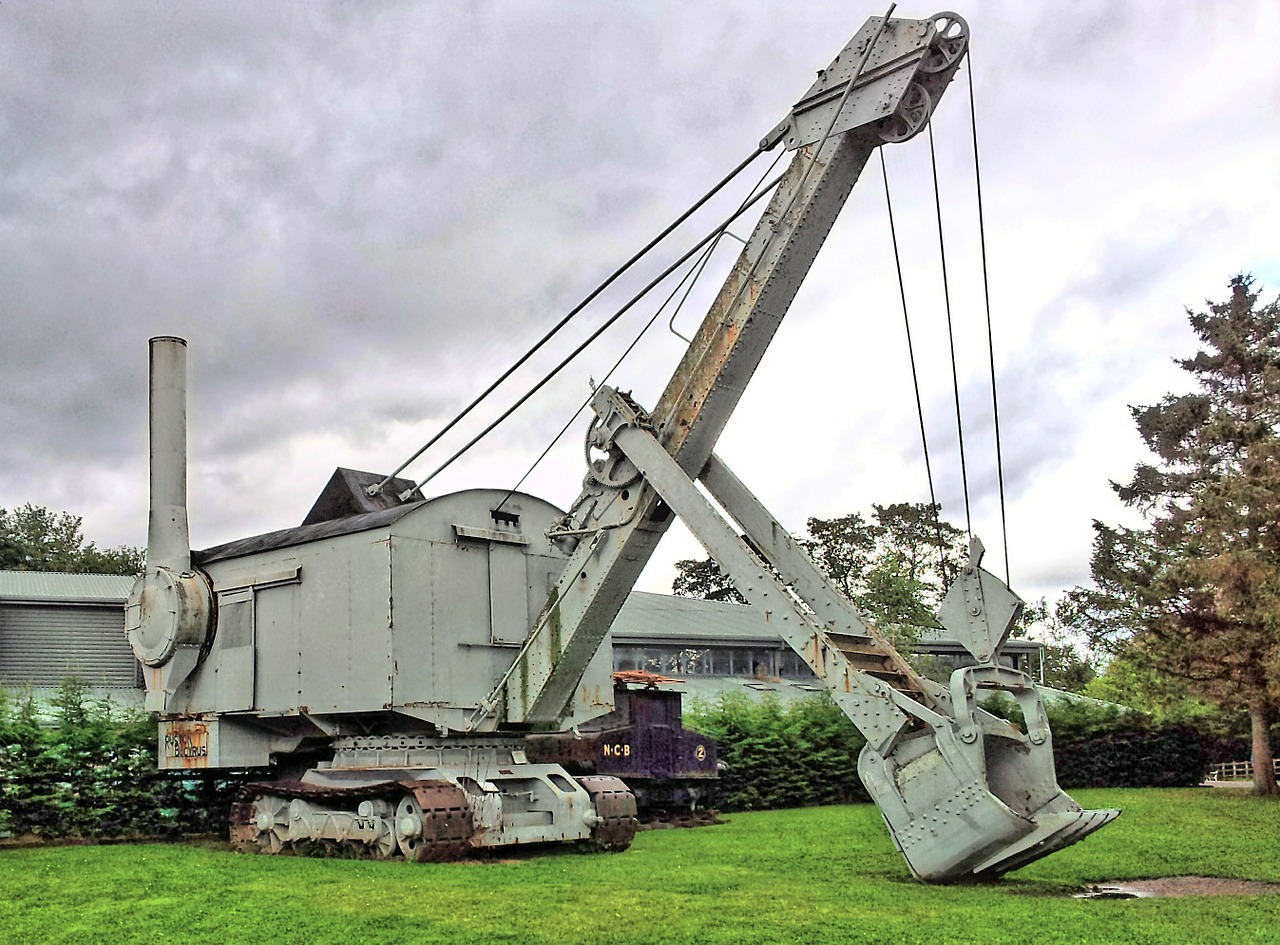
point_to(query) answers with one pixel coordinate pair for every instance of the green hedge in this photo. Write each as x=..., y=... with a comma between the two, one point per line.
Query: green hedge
x=1169, y=756
x=1104, y=745
x=806, y=752
x=86, y=769
x=780, y=754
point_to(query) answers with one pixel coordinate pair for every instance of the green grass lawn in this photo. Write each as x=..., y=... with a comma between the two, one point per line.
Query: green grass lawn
x=821, y=875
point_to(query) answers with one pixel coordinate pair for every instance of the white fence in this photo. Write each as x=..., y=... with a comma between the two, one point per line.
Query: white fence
x=1237, y=771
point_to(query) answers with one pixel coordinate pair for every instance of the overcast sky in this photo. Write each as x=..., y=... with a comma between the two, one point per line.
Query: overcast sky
x=359, y=214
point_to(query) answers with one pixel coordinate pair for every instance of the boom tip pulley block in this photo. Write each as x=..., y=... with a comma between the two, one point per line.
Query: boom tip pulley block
x=899, y=69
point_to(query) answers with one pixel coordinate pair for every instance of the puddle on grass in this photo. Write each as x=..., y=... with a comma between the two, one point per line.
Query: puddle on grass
x=1177, y=886
x=1101, y=891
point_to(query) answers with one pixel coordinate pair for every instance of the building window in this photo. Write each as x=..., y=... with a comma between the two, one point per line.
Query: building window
x=741, y=661
x=792, y=666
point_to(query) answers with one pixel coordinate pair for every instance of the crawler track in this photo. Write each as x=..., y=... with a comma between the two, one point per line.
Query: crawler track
x=433, y=821
x=423, y=821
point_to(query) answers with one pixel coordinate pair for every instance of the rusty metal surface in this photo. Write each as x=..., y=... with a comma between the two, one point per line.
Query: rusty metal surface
x=447, y=821
x=245, y=835
x=187, y=744
x=615, y=805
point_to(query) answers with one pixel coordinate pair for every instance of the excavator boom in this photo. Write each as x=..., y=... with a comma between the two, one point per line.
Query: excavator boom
x=965, y=795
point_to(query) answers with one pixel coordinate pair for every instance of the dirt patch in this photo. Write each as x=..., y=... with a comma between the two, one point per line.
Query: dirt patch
x=1177, y=886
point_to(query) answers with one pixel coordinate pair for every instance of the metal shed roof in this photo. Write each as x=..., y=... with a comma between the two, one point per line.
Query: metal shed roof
x=660, y=616
x=72, y=588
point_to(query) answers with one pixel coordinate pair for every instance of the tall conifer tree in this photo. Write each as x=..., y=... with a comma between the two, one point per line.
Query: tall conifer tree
x=1197, y=592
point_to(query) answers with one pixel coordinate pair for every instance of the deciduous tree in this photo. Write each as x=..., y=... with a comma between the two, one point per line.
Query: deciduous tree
x=892, y=566
x=34, y=538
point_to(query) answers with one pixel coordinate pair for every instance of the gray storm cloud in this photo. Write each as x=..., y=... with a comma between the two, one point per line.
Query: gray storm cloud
x=360, y=214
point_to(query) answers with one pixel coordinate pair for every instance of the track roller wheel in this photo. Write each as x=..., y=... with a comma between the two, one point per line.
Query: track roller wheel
x=260, y=823
x=385, y=846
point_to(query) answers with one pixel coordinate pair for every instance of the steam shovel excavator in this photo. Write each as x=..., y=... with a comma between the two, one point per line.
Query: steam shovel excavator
x=386, y=660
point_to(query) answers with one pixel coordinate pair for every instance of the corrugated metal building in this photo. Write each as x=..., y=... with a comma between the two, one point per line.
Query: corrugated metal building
x=53, y=626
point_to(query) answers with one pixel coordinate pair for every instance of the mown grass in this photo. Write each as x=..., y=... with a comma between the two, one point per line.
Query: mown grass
x=820, y=875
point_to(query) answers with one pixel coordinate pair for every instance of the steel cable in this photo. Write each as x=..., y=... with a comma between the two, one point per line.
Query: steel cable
x=593, y=336
x=951, y=336
x=915, y=377
x=718, y=233
x=375, y=489
x=986, y=295
x=690, y=279
x=714, y=234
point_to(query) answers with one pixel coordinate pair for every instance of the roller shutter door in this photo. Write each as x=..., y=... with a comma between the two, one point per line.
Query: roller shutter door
x=41, y=645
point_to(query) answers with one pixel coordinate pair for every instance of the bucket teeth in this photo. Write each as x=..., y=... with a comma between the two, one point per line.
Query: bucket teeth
x=1052, y=832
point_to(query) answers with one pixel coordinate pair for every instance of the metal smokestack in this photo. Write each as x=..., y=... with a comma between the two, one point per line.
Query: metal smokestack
x=168, y=539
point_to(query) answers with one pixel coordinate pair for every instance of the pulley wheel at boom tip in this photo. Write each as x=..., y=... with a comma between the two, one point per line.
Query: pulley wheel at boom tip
x=952, y=42
x=912, y=115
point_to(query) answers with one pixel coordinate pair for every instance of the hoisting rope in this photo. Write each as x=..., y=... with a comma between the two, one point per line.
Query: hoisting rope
x=951, y=336
x=915, y=376
x=986, y=295
x=375, y=489
x=688, y=281
x=590, y=338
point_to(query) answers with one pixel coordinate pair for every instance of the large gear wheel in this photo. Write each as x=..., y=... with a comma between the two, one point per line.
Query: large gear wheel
x=614, y=469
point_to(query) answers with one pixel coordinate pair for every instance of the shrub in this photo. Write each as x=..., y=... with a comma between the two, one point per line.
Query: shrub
x=1105, y=745
x=92, y=773
x=806, y=752
x=780, y=754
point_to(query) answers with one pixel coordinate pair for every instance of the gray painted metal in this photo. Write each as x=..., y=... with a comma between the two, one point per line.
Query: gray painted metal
x=963, y=796
x=169, y=619
x=868, y=701
x=831, y=610
x=903, y=51
x=168, y=539
x=513, y=800
x=979, y=610
x=406, y=621
x=394, y=621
